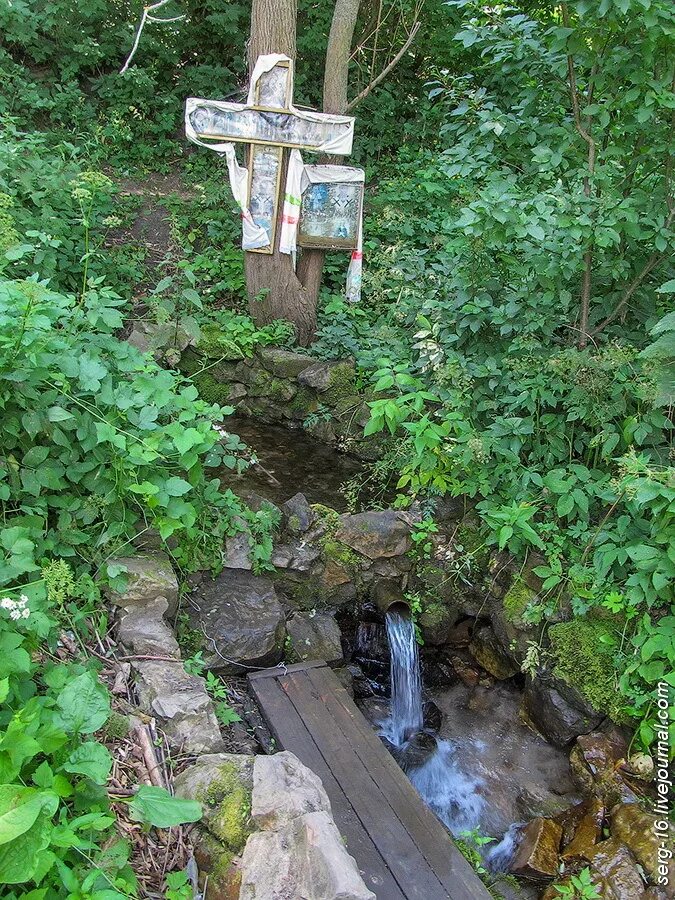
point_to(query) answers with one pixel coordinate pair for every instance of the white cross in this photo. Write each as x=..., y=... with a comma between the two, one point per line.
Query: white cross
x=269, y=123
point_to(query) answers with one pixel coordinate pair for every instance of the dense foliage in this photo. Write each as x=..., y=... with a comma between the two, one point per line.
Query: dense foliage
x=516, y=335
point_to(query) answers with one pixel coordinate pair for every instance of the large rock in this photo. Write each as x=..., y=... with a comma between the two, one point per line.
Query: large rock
x=329, y=375
x=283, y=363
x=283, y=789
x=558, y=710
x=147, y=576
x=242, y=619
x=297, y=514
x=636, y=829
x=614, y=872
x=223, y=784
x=571, y=818
x=537, y=854
x=384, y=533
x=143, y=630
x=488, y=653
x=305, y=859
x=315, y=636
x=180, y=700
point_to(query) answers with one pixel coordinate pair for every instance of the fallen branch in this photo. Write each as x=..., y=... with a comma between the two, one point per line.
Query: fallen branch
x=387, y=69
x=147, y=748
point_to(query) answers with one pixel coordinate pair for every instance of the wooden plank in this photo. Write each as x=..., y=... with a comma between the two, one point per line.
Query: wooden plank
x=276, y=671
x=290, y=732
x=430, y=835
x=401, y=854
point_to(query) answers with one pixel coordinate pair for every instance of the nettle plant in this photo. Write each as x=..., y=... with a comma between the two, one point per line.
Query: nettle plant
x=99, y=444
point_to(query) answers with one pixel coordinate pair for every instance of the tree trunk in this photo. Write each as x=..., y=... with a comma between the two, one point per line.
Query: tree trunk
x=274, y=290
x=335, y=83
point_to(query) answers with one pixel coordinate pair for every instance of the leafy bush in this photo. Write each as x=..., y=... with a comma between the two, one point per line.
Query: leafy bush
x=99, y=444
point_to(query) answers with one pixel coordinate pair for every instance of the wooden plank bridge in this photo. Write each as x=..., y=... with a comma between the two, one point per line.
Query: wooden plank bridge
x=401, y=848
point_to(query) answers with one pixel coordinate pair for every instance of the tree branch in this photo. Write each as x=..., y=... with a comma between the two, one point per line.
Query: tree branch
x=387, y=69
x=651, y=263
x=148, y=17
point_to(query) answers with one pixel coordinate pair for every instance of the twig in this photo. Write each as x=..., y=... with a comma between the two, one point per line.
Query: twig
x=152, y=764
x=148, y=17
x=387, y=69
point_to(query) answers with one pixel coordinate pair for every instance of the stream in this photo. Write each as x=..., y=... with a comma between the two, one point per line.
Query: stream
x=481, y=769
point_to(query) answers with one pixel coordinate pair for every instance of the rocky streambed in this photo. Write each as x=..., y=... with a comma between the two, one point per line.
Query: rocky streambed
x=531, y=760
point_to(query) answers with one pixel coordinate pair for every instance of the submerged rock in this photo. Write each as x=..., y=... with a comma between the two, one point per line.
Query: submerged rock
x=417, y=750
x=241, y=615
x=537, y=854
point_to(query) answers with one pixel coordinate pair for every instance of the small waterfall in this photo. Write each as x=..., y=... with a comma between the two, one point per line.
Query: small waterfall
x=406, y=679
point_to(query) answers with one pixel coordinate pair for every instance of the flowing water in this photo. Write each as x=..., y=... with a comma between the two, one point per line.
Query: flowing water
x=485, y=771
x=406, y=716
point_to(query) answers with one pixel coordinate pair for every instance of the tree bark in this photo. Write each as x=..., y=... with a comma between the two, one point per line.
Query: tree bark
x=335, y=100
x=274, y=291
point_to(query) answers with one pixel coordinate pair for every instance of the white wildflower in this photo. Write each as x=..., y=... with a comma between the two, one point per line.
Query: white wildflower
x=25, y=613
x=22, y=601
x=15, y=614
x=7, y=603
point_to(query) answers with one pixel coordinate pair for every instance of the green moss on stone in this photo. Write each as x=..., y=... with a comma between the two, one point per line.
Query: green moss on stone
x=583, y=652
x=303, y=404
x=230, y=804
x=340, y=384
x=517, y=599
x=330, y=546
x=117, y=726
x=214, y=343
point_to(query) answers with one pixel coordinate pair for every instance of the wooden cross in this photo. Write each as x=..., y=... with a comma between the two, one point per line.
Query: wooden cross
x=269, y=123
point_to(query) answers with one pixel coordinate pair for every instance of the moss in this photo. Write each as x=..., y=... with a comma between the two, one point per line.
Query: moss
x=517, y=599
x=434, y=614
x=340, y=384
x=303, y=404
x=214, y=343
x=117, y=726
x=583, y=652
x=330, y=546
x=230, y=802
x=210, y=390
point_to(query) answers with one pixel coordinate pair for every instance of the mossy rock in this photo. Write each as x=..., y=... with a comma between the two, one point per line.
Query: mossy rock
x=303, y=404
x=583, y=653
x=215, y=344
x=283, y=363
x=230, y=804
x=468, y=537
x=436, y=621
x=516, y=601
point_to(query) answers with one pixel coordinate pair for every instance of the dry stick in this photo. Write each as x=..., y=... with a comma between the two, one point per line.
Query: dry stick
x=142, y=732
x=387, y=69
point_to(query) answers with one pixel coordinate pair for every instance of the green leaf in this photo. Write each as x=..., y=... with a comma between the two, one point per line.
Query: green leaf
x=155, y=806
x=83, y=705
x=176, y=487
x=19, y=808
x=20, y=858
x=565, y=505
x=91, y=759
